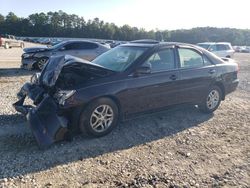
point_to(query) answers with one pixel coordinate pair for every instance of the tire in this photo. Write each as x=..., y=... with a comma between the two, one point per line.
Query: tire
x=40, y=64
x=212, y=100
x=99, y=118
x=6, y=46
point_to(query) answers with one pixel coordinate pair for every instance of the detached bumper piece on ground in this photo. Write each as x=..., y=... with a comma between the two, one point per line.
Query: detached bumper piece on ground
x=43, y=118
x=46, y=125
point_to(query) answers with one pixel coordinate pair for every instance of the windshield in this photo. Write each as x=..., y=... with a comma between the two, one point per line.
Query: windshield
x=205, y=46
x=119, y=58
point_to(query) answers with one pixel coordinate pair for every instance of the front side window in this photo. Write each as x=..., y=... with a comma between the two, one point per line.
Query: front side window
x=119, y=58
x=207, y=62
x=190, y=58
x=162, y=60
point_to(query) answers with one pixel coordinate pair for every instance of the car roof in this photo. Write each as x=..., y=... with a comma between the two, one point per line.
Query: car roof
x=210, y=43
x=72, y=41
x=158, y=44
x=227, y=43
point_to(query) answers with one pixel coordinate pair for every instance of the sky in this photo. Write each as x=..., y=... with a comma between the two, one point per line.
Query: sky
x=147, y=14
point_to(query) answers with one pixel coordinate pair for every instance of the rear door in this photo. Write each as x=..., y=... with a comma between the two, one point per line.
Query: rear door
x=197, y=73
x=67, y=49
x=86, y=50
x=81, y=49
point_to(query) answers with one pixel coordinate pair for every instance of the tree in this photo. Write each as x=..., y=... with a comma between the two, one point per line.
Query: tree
x=61, y=24
x=1, y=19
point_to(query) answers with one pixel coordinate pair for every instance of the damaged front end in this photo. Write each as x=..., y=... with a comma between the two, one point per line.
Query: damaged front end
x=49, y=90
x=45, y=123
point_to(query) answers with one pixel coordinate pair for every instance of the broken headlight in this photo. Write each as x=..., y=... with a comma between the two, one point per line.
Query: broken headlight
x=27, y=55
x=62, y=95
x=35, y=78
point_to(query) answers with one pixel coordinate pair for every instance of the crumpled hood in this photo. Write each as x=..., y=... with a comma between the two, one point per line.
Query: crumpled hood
x=53, y=68
x=36, y=49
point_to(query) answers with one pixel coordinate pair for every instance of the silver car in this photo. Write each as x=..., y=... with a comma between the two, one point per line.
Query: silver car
x=221, y=49
x=36, y=57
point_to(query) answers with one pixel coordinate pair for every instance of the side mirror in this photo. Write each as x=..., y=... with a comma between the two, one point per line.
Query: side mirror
x=143, y=69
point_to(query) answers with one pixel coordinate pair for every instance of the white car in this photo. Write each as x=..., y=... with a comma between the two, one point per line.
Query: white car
x=221, y=49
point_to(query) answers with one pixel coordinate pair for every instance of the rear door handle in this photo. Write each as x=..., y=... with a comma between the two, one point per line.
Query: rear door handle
x=212, y=71
x=173, y=77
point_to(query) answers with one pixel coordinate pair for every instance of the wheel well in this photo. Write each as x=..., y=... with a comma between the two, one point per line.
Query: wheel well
x=35, y=65
x=113, y=98
x=221, y=86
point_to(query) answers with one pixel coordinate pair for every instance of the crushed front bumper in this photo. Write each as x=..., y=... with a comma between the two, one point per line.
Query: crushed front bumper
x=45, y=123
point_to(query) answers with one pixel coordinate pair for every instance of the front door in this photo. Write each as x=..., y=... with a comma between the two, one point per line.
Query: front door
x=156, y=89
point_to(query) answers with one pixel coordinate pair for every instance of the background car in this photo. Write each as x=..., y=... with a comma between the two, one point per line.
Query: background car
x=9, y=41
x=37, y=57
x=221, y=49
x=245, y=49
x=130, y=79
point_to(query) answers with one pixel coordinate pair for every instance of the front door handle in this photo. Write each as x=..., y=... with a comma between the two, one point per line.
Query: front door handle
x=173, y=77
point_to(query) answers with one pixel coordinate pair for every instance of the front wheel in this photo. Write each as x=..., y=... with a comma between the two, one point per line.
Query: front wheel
x=99, y=118
x=212, y=100
x=41, y=62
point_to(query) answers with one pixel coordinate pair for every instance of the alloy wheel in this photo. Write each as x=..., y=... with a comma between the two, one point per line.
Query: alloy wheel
x=41, y=63
x=101, y=118
x=213, y=99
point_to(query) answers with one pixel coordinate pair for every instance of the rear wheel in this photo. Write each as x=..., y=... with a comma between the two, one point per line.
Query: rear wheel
x=212, y=100
x=41, y=63
x=99, y=118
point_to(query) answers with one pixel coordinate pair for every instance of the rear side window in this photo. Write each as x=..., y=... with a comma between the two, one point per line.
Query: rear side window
x=190, y=58
x=88, y=46
x=162, y=60
x=81, y=46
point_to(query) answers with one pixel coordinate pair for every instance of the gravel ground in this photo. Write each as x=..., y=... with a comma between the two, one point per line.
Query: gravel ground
x=180, y=147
